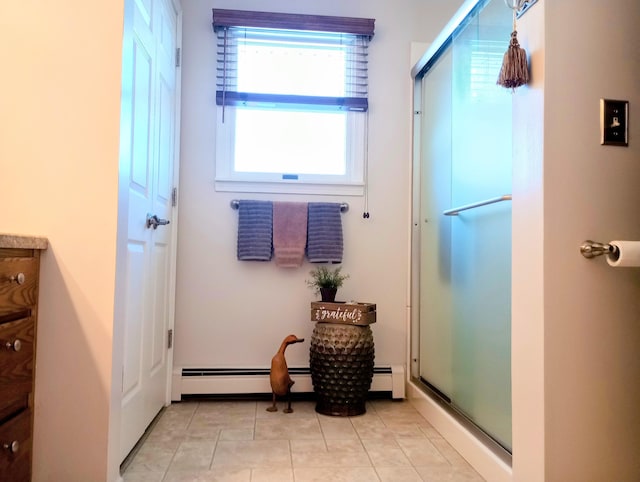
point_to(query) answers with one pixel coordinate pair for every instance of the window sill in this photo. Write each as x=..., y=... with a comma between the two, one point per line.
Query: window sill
x=293, y=187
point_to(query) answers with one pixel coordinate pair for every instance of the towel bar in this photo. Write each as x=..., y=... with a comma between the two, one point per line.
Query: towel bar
x=455, y=211
x=235, y=204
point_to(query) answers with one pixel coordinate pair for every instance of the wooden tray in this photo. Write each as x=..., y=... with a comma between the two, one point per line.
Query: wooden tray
x=344, y=313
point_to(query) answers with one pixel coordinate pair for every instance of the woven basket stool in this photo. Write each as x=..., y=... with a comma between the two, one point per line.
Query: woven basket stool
x=341, y=362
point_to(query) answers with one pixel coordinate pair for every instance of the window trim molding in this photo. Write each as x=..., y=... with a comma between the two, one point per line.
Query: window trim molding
x=291, y=21
x=283, y=187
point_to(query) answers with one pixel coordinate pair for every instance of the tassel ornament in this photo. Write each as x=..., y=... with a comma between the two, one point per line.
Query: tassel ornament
x=514, y=71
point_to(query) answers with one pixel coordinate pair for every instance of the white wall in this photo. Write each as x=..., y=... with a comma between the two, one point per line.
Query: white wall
x=527, y=290
x=577, y=320
x=59, y=128
x=235, y=314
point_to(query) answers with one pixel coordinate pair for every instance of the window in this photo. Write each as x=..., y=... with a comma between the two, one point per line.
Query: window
x=291, y=92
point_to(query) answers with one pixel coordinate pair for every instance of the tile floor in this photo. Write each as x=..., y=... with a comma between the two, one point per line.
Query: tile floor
x=240, y=441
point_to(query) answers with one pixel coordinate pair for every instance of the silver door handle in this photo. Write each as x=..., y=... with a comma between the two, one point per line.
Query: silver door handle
x=155, y=221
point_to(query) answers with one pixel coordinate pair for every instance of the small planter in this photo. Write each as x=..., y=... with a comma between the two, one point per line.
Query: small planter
x=328, y=294
x=326, y=281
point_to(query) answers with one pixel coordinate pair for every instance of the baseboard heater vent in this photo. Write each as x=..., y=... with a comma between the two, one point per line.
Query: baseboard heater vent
x=243, y=381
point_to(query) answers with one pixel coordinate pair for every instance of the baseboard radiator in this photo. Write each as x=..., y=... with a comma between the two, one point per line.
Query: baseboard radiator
x=387, y=381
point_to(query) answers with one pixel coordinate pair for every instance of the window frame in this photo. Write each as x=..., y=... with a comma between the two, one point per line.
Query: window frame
x=352, y=182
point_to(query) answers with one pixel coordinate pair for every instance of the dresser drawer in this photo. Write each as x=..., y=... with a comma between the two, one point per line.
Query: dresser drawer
x=16, y=360
x=18, y=284
x=15, y=448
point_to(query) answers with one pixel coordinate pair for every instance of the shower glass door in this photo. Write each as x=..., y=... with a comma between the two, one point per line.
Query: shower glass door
x=465, y=259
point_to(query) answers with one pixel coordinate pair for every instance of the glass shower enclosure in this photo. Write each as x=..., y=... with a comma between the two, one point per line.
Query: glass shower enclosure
x=461, y=321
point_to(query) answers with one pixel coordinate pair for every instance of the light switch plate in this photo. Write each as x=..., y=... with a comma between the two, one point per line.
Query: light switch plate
x=614, y=122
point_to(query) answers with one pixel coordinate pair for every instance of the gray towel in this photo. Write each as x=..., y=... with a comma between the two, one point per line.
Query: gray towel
x=324, y=233
x=255, y=229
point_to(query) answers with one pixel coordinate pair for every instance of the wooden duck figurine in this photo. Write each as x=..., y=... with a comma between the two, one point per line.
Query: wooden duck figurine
x=279, y=376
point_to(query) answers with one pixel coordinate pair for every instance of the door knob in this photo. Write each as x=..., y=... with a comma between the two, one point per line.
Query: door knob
x=19, y=278
x=155, y=221
x=12, y=447
x=15, y=345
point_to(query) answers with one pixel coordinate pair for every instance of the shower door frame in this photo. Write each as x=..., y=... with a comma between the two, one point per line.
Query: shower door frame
x=440, y=45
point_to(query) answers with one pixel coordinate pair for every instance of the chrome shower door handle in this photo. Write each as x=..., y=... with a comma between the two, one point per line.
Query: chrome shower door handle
x=154, y=221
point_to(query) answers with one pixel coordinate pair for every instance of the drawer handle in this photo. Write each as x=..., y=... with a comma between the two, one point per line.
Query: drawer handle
x=16, y=345
x=19, y=278
x=13, y=447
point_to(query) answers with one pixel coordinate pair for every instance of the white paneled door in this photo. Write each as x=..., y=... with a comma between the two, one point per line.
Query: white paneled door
x=147, y=164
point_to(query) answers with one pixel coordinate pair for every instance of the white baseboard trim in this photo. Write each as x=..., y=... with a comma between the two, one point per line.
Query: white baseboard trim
x=481, y=458
x=189, y=381
x=176, y=384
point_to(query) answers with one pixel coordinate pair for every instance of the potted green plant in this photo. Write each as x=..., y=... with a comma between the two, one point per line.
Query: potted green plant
x=326, y=281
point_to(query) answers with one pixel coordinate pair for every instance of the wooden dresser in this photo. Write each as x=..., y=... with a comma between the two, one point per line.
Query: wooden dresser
x=19, y=270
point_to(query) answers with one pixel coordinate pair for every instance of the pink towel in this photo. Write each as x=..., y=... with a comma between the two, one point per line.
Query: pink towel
x=289, y=233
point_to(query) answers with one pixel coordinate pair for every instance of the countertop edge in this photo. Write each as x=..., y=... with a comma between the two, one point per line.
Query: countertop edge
x=20, y=241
